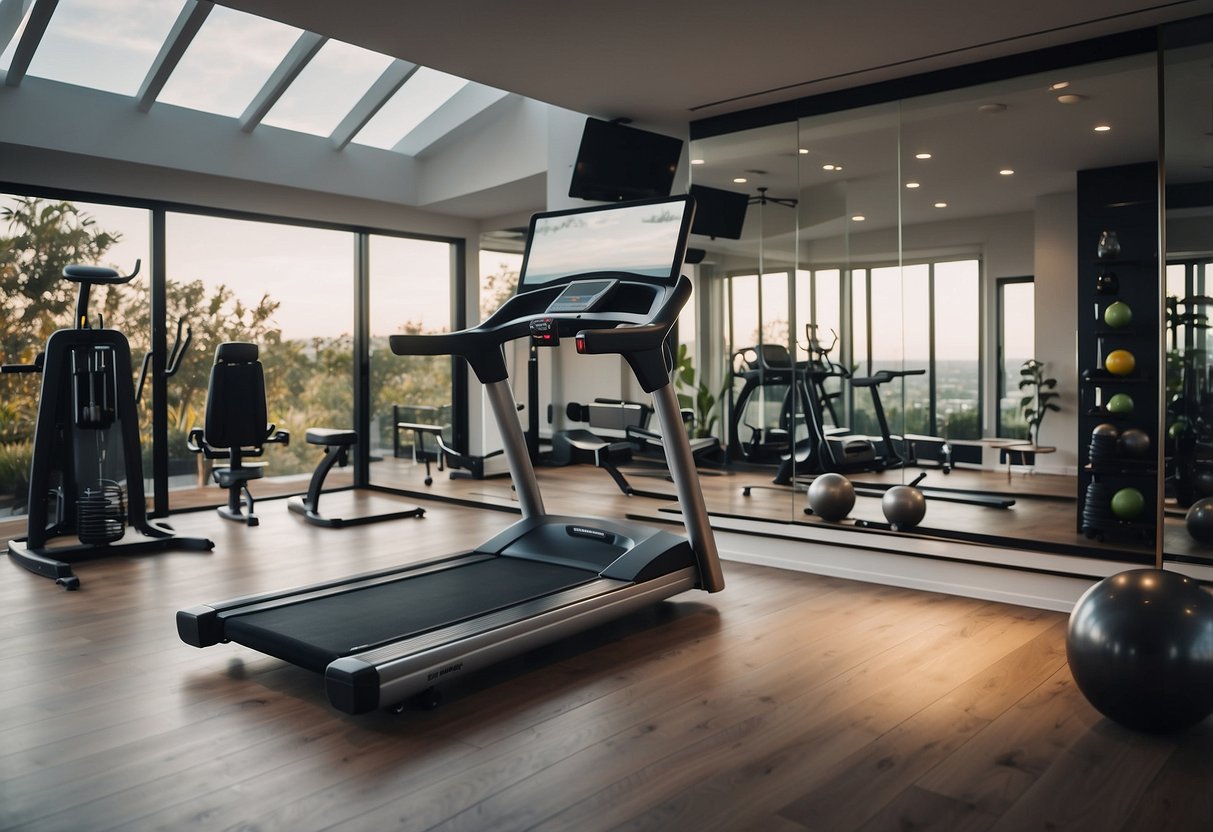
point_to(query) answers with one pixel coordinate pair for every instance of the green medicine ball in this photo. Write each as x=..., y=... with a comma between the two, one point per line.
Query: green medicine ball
x=1118, y=315
x=1120, y=403
x=1128, y=504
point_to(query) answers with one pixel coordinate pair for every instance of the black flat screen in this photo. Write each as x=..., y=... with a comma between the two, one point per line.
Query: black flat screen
x=641, y=239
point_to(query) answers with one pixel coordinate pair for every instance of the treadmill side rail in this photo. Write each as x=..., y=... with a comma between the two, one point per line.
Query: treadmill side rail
x=389, y=675
x=200, y=626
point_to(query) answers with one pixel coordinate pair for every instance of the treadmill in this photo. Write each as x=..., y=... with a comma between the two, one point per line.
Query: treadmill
x=610, y=279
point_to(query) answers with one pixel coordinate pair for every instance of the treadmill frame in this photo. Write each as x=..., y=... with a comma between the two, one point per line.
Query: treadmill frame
x=657, y=565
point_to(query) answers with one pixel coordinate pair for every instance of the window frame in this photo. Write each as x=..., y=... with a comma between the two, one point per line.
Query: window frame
x=158, y=211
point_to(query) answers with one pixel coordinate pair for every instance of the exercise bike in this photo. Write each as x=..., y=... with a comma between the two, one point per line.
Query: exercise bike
x=86, y=474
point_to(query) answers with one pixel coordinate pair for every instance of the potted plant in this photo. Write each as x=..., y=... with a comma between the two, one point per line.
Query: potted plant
x=1038, y=398
x=700, y=399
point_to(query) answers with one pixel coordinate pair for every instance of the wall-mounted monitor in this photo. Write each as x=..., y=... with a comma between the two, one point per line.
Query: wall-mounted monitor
x=719, y=213
x=616, y=162
x=645, y=240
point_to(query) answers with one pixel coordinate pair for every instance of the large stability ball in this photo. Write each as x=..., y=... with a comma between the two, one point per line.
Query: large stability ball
x=904, y=506
x=831, y=497
x=1199, y=521
x=1140, y=646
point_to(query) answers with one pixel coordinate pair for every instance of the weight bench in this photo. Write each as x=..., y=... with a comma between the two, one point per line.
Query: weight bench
x=336, y=444
x=581, y=447
x=470, y=466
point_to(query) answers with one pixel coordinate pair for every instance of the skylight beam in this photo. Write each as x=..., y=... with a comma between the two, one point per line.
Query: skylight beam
x=385, y=87
x=189, y=21
x=304, y=50
x=12, y=12
x=30, y=38
x=463, y=106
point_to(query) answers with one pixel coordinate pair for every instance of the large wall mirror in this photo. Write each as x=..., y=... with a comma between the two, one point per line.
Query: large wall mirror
x=1187, y=73
x=933, y=252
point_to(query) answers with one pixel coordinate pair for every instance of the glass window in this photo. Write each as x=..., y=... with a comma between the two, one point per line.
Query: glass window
x=1016, y=345
x=924, y=317
x=327, y=88
x=881, y=318
x=104, y=45
x=426, y=91
x=908, y=400
x=743, y=306
x=38, y=237
x=818, y=319
x=288, y=289
x=498, y=279
x=228, y=62
x=775, y=317
x=956, y=370
x=410, y=291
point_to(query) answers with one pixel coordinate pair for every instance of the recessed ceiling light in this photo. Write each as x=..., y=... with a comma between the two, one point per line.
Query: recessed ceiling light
x=1006, y=172
x=922, y=155
x=1060, y=85
x=804, y=151
x=858, y=218
x=912, y=185
x=1071, y=98
x=1102, y=128
x=697, y=161
x=831, y=167
x=740, y=180
x=941, y=205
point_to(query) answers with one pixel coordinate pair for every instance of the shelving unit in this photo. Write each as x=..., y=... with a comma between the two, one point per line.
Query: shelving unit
x=1124, y=200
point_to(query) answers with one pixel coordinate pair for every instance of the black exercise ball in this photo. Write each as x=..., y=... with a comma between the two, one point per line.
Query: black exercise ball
x=904, y=506
x=1135, y=442
x=1140, y=646
x=1199, y=521
x=831, y=497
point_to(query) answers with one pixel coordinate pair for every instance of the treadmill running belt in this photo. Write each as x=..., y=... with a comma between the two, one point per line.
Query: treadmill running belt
x=313, y=633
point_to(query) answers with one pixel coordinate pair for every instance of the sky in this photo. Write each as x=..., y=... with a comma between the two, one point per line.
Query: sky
x=309, y=271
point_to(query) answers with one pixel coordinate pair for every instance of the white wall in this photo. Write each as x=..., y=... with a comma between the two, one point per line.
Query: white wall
x=1056, y=263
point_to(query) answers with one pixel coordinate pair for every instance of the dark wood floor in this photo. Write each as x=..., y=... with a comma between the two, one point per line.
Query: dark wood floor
x=786, y=702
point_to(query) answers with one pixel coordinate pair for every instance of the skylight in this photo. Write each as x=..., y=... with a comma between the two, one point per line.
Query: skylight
x=211, y=58
x=6, y=54
x=327, y=88
x=228, y=62
x=416, y=101
x=102, y=44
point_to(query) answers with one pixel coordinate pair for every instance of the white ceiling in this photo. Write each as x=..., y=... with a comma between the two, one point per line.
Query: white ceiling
x=667, y=62
x=662, y=63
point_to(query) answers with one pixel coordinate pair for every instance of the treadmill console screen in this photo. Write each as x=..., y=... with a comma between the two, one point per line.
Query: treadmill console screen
x=646, y=240
x=581, y=296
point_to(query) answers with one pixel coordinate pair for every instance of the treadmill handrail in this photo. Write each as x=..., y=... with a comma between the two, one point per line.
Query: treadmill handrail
x=481, y=345
x=638, y=337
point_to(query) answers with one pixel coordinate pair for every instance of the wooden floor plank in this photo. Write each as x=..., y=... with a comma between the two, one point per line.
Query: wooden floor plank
x=1095, y=783
x=707, y=712
x=994, y=770
x=923, y=811
x=776, y=759
x=688, y=698
x=877, y=775
x=1182, y=789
